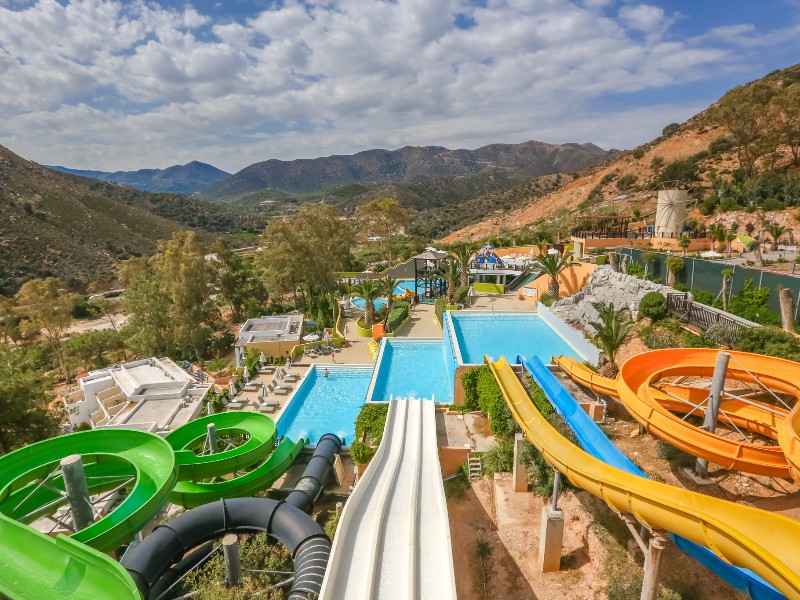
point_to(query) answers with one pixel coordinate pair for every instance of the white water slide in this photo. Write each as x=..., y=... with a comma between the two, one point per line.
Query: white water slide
x=393, y=538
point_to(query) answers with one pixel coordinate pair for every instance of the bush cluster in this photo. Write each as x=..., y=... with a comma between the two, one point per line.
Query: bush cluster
x=481, y=392
x=440, y=306
x=771, y=341
x=653, y=305
x=398, y=314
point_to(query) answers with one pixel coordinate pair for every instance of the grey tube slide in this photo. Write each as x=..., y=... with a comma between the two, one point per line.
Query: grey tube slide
x=286, y=521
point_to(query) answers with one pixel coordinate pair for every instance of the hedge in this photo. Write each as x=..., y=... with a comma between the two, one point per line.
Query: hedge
x=398, y=314
x=482, y=392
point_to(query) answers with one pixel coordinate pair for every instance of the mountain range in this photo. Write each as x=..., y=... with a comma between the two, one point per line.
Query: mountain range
x=412, y=164
x=178, y=179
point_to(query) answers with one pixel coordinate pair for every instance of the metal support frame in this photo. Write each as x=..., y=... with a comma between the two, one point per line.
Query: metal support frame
x=77, y=491
x=233, y=560
x=714, y=399
x=212, y=438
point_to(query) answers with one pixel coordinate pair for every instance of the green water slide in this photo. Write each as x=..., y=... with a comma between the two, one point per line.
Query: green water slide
x=191, y=495
x=152, y=469
x=34, y=565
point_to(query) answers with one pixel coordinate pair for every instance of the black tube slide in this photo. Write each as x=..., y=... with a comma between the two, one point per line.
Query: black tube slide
x=309, y=487
x=287, y=521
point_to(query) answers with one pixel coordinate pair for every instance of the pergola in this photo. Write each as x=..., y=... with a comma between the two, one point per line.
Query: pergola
x=427, y=273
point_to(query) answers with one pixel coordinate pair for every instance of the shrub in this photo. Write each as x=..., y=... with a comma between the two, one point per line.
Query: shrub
x=482, y=392
x=722, y=335
x=332, y=523
x=548, y=300
x=397, y=315
x=370, y=422
x=361, y=453
x=670, y=129
x=657, y=338
x=770, y=341
x=680, y=170
x=626, y=181
x=653, y=305
x=460, y=294
x=671, y=453
x=638, y=152
x=499, y=458
x=721, y=144
x=469, y=380
x=657, y=162
x=440, y=306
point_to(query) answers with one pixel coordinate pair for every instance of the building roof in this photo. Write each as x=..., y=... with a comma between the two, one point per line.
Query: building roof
x=271, y=329
x=431, y=255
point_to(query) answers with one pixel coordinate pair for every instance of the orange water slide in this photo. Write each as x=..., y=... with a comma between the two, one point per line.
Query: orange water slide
x=744, y=536
x=653, y=404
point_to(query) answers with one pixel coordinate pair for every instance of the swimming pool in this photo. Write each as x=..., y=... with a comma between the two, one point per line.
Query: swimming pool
x=506, y=334
x=381, y=302
x=326, y=404
x=412, y=369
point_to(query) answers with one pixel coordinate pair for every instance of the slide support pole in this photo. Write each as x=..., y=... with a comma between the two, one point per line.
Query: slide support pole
x=77, y=491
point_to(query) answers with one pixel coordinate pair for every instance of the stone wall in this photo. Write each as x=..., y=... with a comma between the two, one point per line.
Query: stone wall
x=604, y=285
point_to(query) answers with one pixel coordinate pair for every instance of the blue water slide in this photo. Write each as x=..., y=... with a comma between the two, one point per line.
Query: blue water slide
x=596, y=443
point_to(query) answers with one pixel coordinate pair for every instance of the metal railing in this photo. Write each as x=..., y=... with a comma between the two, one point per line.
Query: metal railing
x=702, y=316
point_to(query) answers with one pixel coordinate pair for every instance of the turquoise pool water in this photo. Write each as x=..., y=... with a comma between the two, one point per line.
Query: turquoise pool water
x=381, y=302
x=412, y=369
x=326, y=404
x=498, y=334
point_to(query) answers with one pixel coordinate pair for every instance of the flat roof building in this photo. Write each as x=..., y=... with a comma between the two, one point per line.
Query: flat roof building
x=274, y=336
x=153, y=394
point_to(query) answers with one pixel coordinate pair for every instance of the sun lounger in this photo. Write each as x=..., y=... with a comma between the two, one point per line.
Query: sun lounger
x=266, y=370
x=267, y=408
x=235, y=406
x=251, y=387
x=279, y=389
x=291, y=378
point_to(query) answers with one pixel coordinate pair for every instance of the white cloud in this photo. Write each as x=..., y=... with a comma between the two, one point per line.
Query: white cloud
x=120, y=85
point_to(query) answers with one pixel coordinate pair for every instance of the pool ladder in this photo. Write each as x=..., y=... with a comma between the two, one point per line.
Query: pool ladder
x=474, y=466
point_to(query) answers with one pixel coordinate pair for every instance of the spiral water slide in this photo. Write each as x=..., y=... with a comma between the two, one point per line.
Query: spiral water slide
x=653, y=404
x=745, y=537
x=393, y=538
x=40, y=567
x=595, y=442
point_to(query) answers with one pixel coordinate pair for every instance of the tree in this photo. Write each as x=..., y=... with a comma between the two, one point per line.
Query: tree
x=451, y=273
x=749, y=228
x=730, y=237
x=743, y=112
x=381, y=221
x=775, y=231
x=9, y=321
x=236, y=281
x=648, y=258
x=755, y=248
x=463, y=252
x=788, y=119
x=369, y=290
x=726, y=277
x=610, y=331
x=674, y=264
x=95, y=349
x=684, y=242
x=48, y=309
x=389, y=285
x=718, y=234
x=148, y=330
x=553, y=265
x=24, y=414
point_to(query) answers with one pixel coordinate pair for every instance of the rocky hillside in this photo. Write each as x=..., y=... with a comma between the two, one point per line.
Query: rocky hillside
x=178, y=179
x=699, y=155
x=406, y=165
x=54, y=224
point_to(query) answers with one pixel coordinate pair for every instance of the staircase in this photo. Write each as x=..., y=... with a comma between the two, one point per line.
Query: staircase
x=474, y=466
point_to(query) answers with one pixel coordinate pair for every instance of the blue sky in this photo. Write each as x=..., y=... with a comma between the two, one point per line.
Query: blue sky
x=97, y=84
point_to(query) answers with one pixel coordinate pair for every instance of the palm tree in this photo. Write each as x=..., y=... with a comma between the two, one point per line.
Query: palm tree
x=718, y=234
x=674, y=264
x=451, y=273
x=648, y=258
x=726, y=277
x=463, y=252
x=389, y=285
x=369, y=290
x=610, y=332
x=684, y=242
x=553, y=265
x=775, y=231
x=755, y=248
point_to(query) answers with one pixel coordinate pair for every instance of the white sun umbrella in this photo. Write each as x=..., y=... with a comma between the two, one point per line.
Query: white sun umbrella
x=231, y=389
x=327, y=336
x=552, y=251
x=264, y=392
x=262, y=359
x=246, y=374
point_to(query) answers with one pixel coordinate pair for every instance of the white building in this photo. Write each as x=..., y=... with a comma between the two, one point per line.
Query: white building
x=153, y=394
x=274, y=336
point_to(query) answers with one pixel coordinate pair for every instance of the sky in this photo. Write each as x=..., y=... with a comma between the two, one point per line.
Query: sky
x=105, y=85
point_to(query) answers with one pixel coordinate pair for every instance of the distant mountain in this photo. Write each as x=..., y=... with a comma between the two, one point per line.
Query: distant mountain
x=178, y=179
x=411, y=164
x=60, y=225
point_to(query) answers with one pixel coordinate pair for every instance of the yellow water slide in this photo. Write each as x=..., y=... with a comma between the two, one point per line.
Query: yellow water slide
x=653, y=403
x=746, y=537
